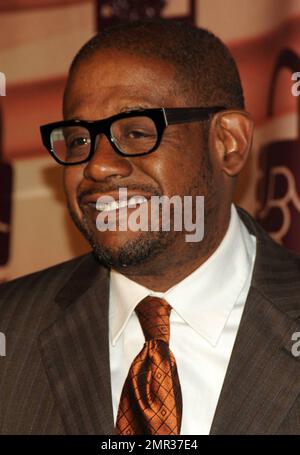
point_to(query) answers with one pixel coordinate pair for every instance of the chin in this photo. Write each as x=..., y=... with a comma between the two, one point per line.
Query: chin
x=129, y=250
x=123, y=249
x=119, y=251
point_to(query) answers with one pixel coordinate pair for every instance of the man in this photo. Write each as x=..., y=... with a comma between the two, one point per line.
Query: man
x=80, y=355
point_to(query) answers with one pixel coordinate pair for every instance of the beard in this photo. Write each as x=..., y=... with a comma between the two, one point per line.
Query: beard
x=132, y=252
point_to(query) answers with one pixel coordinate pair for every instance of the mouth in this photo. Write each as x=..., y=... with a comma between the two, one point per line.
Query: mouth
x=132, y=202
x=107, y=204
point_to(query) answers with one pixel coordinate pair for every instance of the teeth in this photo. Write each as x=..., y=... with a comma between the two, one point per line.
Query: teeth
x=115, y=205
x=134, y=200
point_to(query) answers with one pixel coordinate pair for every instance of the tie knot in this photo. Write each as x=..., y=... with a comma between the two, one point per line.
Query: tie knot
x=154, y=317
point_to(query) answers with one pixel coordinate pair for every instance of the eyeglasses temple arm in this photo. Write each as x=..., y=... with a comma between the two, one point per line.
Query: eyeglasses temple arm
x=182, y=115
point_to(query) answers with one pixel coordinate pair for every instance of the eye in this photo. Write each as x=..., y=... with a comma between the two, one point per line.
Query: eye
x=134, y=134
x=77, y=142
x=137, y=134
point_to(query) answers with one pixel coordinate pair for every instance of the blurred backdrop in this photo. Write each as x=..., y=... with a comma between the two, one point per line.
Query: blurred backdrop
x=38, y=39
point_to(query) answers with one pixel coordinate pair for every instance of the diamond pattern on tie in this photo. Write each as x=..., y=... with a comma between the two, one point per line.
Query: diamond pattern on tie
x=151, y=401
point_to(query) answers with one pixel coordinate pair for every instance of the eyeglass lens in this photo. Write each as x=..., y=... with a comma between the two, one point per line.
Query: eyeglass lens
x=133, y=135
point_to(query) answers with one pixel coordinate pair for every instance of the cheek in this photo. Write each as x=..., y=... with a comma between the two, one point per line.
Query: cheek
x=183, y=170
x=173, y=175
x=71, y=179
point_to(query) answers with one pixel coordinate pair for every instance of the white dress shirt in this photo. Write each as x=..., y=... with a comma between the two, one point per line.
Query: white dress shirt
x=207, y=309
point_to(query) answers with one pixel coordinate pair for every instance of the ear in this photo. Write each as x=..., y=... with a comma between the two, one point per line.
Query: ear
x=232, y=138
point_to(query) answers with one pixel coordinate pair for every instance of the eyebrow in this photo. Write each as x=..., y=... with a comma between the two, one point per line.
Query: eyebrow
x=137, y=107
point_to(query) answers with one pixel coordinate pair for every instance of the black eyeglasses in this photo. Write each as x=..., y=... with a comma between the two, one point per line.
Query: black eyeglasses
x=132, y=133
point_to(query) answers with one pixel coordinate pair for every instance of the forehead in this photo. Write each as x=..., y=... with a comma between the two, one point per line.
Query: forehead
x=110, y=80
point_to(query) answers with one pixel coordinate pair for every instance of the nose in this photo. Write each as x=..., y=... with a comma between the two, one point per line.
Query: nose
x=106, y=163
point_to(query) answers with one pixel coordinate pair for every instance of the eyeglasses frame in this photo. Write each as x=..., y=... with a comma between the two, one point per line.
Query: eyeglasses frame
x=161, y=117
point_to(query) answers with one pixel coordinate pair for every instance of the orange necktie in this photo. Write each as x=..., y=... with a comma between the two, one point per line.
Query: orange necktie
x=151, y=401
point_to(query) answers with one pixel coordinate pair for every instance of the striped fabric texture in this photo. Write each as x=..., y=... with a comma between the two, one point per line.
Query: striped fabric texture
x=55, y=378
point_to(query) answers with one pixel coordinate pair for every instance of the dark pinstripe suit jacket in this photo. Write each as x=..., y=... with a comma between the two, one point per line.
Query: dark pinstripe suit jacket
x=55, y=378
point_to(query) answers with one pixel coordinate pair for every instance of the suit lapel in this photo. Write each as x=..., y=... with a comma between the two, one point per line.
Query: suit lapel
x=263, y=380
x=75, y=352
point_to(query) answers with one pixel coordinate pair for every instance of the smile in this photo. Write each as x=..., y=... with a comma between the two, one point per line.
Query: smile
x=114, y=205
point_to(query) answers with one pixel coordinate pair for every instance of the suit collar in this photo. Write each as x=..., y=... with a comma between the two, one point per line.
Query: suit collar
x=83, y=277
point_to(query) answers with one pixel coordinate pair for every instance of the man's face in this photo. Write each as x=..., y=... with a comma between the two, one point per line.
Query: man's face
x=103, y=85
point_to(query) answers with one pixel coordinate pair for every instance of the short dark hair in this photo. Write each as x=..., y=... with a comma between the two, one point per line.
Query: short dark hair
x=204, y=67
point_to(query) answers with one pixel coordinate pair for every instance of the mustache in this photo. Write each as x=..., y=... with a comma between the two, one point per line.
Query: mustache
x=150, y=189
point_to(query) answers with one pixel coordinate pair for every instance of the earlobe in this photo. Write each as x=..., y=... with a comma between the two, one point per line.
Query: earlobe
x=234, y=130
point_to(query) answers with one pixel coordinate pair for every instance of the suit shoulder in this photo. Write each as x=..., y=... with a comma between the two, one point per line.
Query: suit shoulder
x=33, y=292
x=269, y=248
x=57, y=272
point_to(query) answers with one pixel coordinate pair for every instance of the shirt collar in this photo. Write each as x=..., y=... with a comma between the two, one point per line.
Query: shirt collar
x=205, y=298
